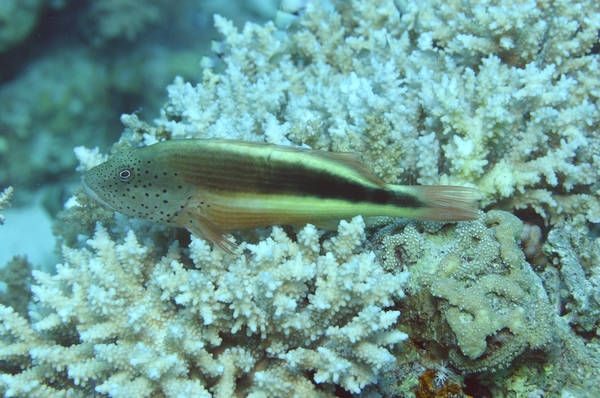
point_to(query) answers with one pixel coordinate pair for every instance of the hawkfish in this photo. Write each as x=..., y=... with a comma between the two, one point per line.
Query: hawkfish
x=213, y=187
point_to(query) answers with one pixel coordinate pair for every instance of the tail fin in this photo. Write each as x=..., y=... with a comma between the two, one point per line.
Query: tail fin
x=447, y=203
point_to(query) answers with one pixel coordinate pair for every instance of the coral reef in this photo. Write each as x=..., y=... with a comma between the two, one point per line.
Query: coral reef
x=489, y=94
x=121, y=319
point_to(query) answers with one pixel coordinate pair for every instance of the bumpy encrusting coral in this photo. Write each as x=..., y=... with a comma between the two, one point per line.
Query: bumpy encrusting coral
x=121, y=320
x=494, y=303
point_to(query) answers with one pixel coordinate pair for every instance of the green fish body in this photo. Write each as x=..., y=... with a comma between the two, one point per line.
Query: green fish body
x=213, y=187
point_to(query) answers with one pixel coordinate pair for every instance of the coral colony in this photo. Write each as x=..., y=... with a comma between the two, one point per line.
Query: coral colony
x=496, y=95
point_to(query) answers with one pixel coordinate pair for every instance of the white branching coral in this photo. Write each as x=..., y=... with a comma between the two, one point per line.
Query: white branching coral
x=121, y=320
x=88, y=158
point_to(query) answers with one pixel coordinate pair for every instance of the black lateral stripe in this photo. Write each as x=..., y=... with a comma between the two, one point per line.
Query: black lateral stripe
x=232, y=172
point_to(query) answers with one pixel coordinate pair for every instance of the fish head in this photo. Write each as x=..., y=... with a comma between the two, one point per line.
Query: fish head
x=137, y=183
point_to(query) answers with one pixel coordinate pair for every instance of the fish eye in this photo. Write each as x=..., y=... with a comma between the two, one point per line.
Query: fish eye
x=126, y=174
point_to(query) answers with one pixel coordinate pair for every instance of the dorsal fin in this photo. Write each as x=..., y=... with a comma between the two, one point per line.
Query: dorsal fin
x=352, y=161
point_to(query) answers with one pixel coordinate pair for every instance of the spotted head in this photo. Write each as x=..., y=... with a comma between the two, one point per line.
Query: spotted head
x=138, y=183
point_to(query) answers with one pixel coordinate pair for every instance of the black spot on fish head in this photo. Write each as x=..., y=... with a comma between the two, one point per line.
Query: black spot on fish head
x=111, y=183
x=136, y=184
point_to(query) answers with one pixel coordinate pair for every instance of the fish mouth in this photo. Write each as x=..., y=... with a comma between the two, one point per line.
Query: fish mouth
x=93, y=194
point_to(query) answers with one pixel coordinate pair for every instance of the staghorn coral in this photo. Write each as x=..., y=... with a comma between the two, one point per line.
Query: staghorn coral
x=476, y=278
x=119, y=319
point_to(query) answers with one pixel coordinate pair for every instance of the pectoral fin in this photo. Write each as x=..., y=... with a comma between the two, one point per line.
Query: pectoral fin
x=205, y=229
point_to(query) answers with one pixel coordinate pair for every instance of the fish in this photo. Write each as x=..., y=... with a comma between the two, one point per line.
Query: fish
x=213, y=187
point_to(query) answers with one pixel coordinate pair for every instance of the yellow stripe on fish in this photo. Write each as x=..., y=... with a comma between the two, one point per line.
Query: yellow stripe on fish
x=212, y=187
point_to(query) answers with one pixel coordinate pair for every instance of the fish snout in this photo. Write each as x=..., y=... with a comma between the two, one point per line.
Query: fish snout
x=93, y=194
